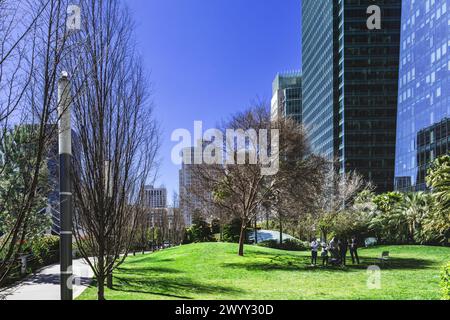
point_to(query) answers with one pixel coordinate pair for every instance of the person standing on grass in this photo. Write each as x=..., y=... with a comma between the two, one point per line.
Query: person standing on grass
x=354, y=250
x=324, y=254
x=314, y=250
x=343, y=248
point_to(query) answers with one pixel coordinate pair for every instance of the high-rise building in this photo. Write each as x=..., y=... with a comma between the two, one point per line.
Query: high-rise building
x=193, y=197
x=350, y=85
x=423, y=130
x=156, y=198
x=287, y=96
x=188, y=199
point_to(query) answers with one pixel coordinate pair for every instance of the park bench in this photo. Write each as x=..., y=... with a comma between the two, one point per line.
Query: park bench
x=384, y=257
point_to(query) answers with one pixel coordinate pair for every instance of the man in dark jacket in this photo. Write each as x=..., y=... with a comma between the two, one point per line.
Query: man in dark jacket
x=354, y=250
x=343, y=248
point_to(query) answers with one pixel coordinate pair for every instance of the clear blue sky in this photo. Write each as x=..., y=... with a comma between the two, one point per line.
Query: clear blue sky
x=210, y=58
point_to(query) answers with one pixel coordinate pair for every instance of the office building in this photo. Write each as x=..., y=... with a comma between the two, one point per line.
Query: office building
x=423, y=132
x=350, y=85
x=156, y=198
x=287, y=96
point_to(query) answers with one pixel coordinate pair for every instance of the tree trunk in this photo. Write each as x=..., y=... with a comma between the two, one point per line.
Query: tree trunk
x=281, y=231
x=101, y=288
x=109, y=280
x=242, y=239
x=256, y=231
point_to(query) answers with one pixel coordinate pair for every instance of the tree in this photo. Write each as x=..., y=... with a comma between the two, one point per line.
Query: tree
x=438, y=180
x=17, y=159
x=33, y=40
x=415, y=207
x=241, y=187
x=118, y=137
x=200, y=230
x=338, y=194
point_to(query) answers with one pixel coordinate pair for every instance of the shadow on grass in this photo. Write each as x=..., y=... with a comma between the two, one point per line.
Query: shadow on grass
x=150, y=257
x=147, y=271
x=179, y=288
x=299, y=263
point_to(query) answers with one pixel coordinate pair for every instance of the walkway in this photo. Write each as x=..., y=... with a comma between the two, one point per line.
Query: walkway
x=45, y=284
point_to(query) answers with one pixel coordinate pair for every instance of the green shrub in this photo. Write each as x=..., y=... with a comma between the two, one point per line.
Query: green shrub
x=232, y=231
x=445, y=281
x=45, y=250
x=288, y=244
x=294, y=245
x=269, y=244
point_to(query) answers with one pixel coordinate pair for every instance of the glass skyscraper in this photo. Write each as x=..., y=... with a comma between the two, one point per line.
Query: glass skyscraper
x=424, y=91
x=287, y=96
x=319, y=74
x=350, y=81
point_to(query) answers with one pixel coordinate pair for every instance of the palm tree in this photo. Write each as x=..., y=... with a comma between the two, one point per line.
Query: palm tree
x=415, y=207
x=438, y=180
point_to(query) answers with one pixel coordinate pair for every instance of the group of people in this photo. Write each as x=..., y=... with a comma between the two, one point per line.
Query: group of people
x=336, y=249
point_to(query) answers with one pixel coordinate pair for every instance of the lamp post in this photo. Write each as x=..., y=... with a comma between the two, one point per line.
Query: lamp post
x=65, y=186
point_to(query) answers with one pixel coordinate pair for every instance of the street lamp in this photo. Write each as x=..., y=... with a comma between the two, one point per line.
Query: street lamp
x=65, y=186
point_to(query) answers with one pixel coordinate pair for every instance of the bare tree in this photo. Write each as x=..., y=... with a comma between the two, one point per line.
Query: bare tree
x=241, y=190
x=33, y=39
x=338, y=194
x=118, y=137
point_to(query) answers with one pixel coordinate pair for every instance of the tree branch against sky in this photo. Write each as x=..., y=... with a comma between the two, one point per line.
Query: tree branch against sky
x=118, y=137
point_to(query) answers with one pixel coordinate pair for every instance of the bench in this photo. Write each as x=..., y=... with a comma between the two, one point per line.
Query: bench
x=384, y=257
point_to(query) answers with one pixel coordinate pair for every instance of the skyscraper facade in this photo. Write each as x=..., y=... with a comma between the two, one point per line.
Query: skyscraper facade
x=287, y=96
x=424, y=91
x=155, y=198
x=350, y=81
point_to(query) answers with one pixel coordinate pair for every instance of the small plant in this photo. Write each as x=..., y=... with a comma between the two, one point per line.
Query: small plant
x=445, y=282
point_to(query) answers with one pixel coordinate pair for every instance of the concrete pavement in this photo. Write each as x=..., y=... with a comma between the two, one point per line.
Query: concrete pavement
x=44, y=285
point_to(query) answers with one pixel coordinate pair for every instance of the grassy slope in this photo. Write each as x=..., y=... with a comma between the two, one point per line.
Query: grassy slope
x=214, y=271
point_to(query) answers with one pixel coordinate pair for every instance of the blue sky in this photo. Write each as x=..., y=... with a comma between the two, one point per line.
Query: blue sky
x=210, y=58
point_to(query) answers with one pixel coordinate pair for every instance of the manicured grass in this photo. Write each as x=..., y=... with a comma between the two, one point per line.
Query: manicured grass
x=213, y=271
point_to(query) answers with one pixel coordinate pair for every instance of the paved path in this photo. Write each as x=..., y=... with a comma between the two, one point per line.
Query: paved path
x=45, y=284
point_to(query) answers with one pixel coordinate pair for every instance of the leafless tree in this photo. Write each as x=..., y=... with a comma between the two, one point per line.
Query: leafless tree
x=241, y=190
x=33, y=40
x=339, y=191
x=118, y=137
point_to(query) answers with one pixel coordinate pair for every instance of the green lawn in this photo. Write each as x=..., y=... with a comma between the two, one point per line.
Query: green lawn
x=213, y=271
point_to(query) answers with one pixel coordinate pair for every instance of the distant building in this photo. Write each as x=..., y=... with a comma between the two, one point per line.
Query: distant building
x=155, y=198
x=287, y=96
x=423, y=129
x=189, y=190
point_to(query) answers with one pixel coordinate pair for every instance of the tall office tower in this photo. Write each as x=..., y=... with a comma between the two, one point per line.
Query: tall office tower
x=350, y=85
x=188, y=188
x=155, y=198
x=424, y=91
x=287, y=96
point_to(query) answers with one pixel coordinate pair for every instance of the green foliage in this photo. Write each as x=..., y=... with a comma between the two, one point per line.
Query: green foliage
x=438, y=180
x=215, y=226
x=232, y=231
x=199, y=232
x=445, y=281
x=288, y=244
x=46, y=250
x=18, y=162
